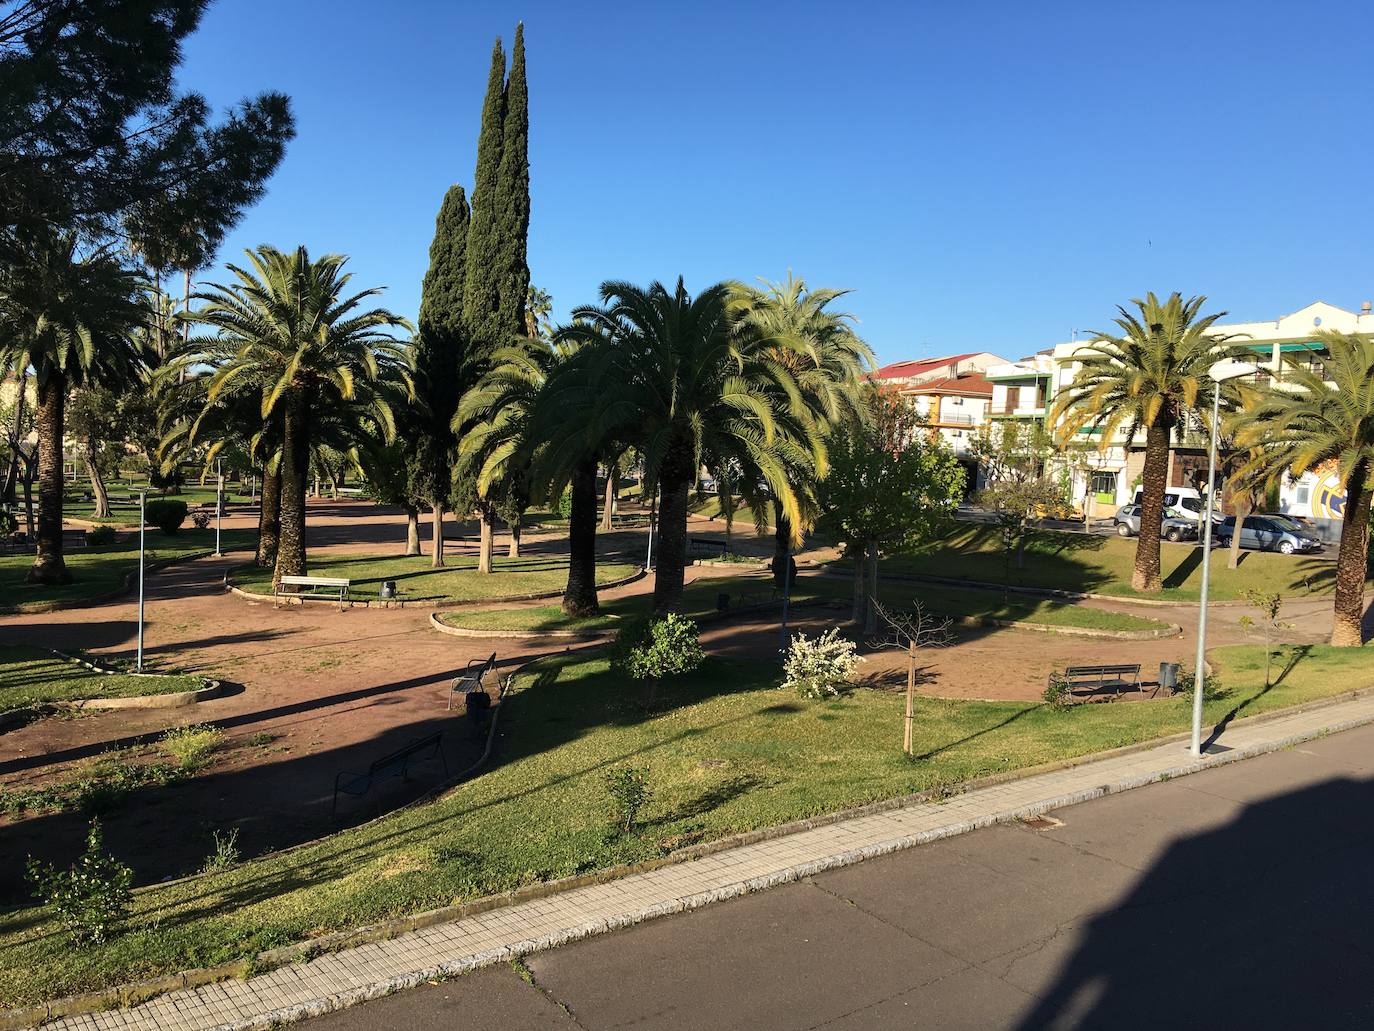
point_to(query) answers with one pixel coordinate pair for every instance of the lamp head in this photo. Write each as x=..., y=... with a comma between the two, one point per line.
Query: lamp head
x=1230, y=368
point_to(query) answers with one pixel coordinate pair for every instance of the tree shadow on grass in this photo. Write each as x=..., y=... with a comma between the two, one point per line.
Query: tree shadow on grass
x=709, y=800
x=1179, y=575
x=1297, y=653
x=950, y=745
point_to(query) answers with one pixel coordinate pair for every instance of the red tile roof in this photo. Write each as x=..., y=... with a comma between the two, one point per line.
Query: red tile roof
x=971, y=383
x=898, y=370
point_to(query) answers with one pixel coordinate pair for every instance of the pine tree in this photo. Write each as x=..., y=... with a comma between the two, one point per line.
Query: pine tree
x=440, y=356
x=482, y=295
x=513, y=203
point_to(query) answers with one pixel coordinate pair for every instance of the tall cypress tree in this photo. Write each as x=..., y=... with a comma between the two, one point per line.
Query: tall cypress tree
x=440, y=353
x=482, y=295
x=513, y=201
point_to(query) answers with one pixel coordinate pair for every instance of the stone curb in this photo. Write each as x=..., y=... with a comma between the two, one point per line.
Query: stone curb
x=38, y=607
x=131, y=994
x=516, y=635
x=1168, y=630
x=1051, y=592
x=401, y=603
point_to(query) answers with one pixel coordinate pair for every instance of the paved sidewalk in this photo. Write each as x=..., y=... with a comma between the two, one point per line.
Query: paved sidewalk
x=334, y=981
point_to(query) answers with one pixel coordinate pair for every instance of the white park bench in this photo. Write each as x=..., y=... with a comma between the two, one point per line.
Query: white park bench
x=313, y=587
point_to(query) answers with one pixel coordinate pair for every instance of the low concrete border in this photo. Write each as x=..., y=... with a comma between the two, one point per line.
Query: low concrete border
x=1158, y=633
x=133, y=993
x=516, y=635
x=418, y=603
x=1049, y=592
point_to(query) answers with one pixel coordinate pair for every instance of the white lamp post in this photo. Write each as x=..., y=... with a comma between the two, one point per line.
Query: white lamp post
x=219, y=504
x=1222, y=371
x=142, y=504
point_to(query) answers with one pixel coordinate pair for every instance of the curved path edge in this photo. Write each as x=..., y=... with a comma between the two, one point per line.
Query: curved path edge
x=34, y=608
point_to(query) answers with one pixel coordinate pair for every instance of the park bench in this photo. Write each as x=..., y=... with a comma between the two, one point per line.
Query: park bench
x=705, y=546
x=1120, y=676
x=471, y=678
x=73, y=539
x=629, y=522
x=397, y=764
x=313, y=587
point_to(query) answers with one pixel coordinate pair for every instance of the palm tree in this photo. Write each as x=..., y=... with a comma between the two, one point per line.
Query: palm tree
x=1322, y=413
x=820, y=353
x=496, y=445
x=538, y=304
x=670, y=372
x=1146, y=376
x=289, y=334
x=71, y=319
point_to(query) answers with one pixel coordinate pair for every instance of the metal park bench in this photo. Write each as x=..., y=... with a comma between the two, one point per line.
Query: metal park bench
x=471, y=678
x=1119, y=676
x=313, y=587
x=397, y=764
x=705, y=546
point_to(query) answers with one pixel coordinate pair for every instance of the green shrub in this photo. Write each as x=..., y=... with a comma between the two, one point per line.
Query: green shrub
x=225, y=854
x=100, y=537
x=200, y=519
x=192, y=747
x=628, y=787
x=564, y=506
x=1211, y=687
x=666, y=647
x=1057, y=692
x=167, y=514
x=91, y=896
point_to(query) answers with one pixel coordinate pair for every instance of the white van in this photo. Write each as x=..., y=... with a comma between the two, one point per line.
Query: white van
x=1182, y=503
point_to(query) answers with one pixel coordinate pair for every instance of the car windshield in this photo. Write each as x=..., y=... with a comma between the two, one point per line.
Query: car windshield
x=1284, y=523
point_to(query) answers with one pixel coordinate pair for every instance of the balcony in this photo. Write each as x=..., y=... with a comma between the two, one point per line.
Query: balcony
x=954, y=419
x=1018, y=410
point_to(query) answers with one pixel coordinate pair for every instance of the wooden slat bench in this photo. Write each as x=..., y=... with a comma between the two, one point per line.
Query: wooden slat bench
x=314, y=587
x=397, y=764
x=1120, y=676
x=471, y=678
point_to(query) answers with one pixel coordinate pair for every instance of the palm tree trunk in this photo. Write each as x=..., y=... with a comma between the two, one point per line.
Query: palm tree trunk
x=436, y=551
x=856, y=613
x=30, y=465
x=515, y=537
x=1145, y=577
x=295, y=467
x=102, y=496
x=608, y=509
x=782, y=544
x=48, y=566
x=487, y=542
x=1352, y=561
x=21, y=378
x=1243, y=503
x=870, y=610
x=579, y=597
x=412, y=531
x=675, y=482
x=269, y=519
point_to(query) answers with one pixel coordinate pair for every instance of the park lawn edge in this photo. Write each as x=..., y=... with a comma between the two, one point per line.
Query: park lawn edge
x=301, y=947
x=126, y=685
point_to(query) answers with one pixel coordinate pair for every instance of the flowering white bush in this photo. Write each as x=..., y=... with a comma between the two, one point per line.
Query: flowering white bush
x=818, y=668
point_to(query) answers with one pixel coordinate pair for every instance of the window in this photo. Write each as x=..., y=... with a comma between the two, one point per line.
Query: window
x=1103, y=483
x=958, y=402
x=1303, y=495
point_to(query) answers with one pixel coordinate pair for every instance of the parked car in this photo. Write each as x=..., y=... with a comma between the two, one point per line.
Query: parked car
x=1171, y=529
x=1184, y=503
x=1268, y=533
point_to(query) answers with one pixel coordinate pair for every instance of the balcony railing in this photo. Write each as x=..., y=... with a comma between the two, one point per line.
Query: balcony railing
x=953, y=419
x=1020, y=408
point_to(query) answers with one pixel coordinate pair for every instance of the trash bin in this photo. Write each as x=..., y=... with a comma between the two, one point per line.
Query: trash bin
x=1168, y=676
x=388, y=589
x=722, y=603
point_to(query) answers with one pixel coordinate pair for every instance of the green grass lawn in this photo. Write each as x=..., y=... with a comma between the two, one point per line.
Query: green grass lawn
x=98, y=571
x=125, y=513
x=725, y=752
x=30, y=676
x=1102, y=565
x=416, y=580
x=699, y=599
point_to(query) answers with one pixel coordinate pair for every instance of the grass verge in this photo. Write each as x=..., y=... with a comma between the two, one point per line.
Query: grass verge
x=99, y=571
x=417, y=580
x=30, y=676
x=725, y=752
x=1103, y=565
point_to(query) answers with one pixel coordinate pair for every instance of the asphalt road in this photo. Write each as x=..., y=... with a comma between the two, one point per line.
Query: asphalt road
x=1237, y=898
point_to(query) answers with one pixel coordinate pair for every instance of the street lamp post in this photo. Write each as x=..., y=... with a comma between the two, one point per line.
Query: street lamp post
x=219, y=506
x=142, y=505
x=649, y=555
x=1222, y=371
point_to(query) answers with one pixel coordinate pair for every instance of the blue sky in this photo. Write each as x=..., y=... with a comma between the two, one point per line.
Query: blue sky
x=983, y=175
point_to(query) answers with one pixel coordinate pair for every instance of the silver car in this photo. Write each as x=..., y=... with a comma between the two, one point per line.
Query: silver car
x=1128, y=525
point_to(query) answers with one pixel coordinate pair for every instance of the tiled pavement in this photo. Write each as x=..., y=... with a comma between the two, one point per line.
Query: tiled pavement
x=372, y=970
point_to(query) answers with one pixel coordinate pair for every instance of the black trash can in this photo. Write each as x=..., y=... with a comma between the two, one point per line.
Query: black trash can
x=1168, y=676
x=722, y=603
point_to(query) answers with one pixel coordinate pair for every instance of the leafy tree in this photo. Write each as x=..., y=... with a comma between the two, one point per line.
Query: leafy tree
x=441, y=360
x=890, y=488
x=70, y=318
x=93, y=133
x=289, y=333
x=667, y=371
x=1146, y=376
x=1019, y=487
x=1323, y=413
